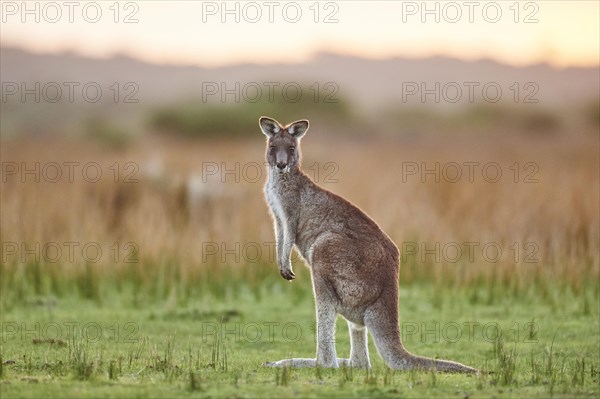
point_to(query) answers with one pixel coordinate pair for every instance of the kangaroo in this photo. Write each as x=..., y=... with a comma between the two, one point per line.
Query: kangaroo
x=353, y=263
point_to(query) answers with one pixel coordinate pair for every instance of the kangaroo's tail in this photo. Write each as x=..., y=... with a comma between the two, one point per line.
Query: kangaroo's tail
x=383, y=324
x=425, y=363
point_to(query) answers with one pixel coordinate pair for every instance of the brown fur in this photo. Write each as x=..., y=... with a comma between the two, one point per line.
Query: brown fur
x=354, y=265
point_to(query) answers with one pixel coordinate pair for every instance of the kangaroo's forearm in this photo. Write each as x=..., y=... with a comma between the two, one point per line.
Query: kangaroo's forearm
x=285, y=245
x=279, y=239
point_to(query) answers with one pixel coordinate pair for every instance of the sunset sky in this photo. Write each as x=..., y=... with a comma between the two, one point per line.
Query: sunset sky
x=564, y=33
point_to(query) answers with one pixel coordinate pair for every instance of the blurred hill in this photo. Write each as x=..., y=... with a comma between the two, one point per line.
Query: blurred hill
x=370, y=85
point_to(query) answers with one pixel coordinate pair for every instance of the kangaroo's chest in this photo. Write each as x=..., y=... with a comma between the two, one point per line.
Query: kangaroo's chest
x=274, y=202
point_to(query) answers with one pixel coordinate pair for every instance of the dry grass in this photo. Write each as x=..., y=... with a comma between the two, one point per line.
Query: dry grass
x=171, y=215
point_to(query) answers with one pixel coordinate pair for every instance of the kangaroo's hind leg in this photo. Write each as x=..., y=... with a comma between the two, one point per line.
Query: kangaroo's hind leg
x=359, y=348
x=326, y=354
x=326, y=315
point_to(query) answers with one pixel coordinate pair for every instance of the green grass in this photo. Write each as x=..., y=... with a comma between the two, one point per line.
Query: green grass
x=214, y=346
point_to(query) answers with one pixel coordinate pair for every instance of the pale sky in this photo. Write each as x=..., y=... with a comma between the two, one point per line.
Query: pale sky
x=564, y=33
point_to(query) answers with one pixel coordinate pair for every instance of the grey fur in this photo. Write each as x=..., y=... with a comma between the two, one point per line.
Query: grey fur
x=354, y=265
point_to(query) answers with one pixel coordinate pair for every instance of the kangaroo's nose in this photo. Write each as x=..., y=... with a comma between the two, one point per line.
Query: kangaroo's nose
x=281, y=165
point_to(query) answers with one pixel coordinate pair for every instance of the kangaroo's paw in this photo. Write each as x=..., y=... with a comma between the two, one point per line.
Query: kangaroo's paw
x=287, y=274
x=303, y=362
x=295, y=363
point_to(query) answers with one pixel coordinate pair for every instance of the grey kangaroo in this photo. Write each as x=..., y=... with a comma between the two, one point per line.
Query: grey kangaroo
x=353, y=263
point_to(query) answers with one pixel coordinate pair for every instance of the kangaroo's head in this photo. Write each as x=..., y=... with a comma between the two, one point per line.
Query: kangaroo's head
x=283, y=143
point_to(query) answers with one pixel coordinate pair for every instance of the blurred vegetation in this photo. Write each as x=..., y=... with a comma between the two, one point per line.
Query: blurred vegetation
x=591, y=113
x=107, y=133
x=164, y=205
x=115, y=126
x=478, y=118
x=198, y=119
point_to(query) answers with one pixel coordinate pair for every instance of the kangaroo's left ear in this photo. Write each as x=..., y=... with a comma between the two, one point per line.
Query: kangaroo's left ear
x=298, y=128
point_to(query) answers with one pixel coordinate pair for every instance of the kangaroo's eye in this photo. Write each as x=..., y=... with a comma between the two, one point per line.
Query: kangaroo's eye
x=272, y=148
x=292, y=148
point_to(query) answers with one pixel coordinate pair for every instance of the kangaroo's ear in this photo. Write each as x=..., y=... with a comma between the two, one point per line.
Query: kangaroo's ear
x=269, y=126
x=298, y=128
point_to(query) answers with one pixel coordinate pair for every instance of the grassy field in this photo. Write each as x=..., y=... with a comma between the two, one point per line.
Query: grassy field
x=213, y=347
x=156, y=278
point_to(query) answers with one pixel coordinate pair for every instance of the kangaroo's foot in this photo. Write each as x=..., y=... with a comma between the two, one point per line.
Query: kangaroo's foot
x=305, y=362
